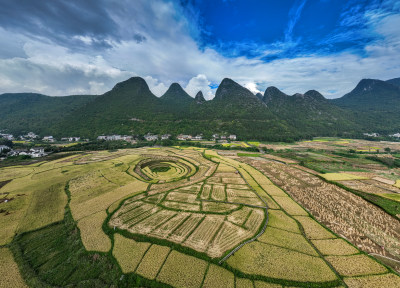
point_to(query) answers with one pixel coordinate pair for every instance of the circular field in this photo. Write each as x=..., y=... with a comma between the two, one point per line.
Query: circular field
x=164, y=169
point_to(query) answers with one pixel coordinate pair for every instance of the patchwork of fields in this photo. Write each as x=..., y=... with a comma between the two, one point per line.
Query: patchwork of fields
x=189, y=218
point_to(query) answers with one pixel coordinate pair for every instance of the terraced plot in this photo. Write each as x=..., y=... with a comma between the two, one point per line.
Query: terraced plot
x=179, y=220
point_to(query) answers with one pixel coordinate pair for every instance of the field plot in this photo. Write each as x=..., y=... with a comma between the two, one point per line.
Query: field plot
x=128, y=252
x=174, y=216
x=356, y=265
x=334, y=247
x=272, y=261
x=152, y=261
x=363, y=224
x=181, y=270
x=10, y=276
x=218, y=277
x=386, y=280
x=93, y=237
x=196, y=215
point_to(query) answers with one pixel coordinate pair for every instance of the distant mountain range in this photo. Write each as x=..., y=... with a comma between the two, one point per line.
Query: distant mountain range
x=131, y=108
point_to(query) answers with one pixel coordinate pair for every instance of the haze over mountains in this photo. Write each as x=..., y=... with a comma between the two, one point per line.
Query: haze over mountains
x=131, y=108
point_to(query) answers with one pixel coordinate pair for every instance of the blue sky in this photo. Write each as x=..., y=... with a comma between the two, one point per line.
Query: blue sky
x=84, y=47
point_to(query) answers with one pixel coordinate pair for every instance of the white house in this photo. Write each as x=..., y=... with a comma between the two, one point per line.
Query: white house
x=396, y=135
x=31, y=135
x=198, y=137
x=371, y=134
x=4, y=147
x=183, y=137
x=150, y=137
x=7, y=136
x=74, y=139
x=232, y=137
x=215, y=136
x=37, y=150
x=49, y=139
x=165, y=136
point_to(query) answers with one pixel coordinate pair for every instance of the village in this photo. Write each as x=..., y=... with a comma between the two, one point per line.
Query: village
x=36, y=151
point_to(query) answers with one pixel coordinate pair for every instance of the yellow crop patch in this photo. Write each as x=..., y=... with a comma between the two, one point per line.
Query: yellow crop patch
x=355, y=265
x=128, y=252
x=10, y=276
x=152, y=261
x=218, y=277
x=334, y=247
x=181, y=270
x=93, y=237
x=341, y=176
x=271, y=261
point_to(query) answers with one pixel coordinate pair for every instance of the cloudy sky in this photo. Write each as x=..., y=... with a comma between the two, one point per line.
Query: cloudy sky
x=64, y=47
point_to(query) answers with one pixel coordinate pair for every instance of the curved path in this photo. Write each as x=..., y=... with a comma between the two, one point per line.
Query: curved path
x=262, y=229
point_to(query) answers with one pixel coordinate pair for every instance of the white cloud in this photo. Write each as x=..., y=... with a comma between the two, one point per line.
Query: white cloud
x=199, y=83
x=252, y=87
x=170, y=54
x=158, y=88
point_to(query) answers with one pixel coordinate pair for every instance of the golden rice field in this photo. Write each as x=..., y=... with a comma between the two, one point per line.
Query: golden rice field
x=171, y=216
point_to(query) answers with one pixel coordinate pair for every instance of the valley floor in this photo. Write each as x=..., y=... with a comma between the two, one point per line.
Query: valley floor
x=311, y=214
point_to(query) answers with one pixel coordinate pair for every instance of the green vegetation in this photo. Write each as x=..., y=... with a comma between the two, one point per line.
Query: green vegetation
x=131, y=108
x=88, y=221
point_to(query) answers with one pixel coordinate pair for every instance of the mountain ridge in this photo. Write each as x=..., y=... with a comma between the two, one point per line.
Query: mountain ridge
x=131, y=108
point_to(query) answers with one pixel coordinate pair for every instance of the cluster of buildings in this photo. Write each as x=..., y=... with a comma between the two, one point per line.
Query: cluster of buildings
x=148, y=137
x=231, y=137
x=7, y=136
x=396, y=135
x=184, y=137
x=155, y=137
x=116, y=138
x=34, y=152
x=371, y=134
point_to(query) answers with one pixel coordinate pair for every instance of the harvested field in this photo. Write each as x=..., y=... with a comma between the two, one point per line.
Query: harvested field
x=92, y=235
x=218, y=193
x=166, y=228
x=201, y=237
x=218, y=207
x=356, y=265
x=205, y=193
x=343, y=212
x=128, y=252
x=240, y=216
x=181, y=270
x=218, y=277
x=152, y=261
x=185, y=229
x=181, y=206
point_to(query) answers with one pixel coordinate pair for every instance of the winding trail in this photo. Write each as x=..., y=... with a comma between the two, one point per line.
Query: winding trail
x=259, y=233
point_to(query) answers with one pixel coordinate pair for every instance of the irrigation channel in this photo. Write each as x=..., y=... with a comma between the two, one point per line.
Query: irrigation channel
x=255, y=237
